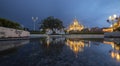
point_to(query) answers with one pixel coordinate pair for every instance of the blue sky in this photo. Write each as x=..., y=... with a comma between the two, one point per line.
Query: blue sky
x=91, y=13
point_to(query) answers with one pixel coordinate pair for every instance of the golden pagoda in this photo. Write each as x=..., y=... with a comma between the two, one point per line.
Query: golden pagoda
x=75, y=26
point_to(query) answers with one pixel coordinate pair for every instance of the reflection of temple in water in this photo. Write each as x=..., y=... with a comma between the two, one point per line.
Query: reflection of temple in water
x=115, y=52
x=77, y=45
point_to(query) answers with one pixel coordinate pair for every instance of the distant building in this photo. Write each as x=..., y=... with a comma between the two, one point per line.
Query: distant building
x=49, y=31
x=113, y=27
x=96, y=29
x=110, y=29
x=75, y=26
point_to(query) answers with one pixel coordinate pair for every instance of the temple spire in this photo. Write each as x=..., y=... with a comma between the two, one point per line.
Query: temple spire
x=75, y=26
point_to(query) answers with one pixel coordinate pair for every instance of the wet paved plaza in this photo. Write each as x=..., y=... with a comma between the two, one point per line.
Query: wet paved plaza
x=60, y=52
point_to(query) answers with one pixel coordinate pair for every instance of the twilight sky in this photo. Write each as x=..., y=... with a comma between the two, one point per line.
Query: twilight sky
x=91, y=13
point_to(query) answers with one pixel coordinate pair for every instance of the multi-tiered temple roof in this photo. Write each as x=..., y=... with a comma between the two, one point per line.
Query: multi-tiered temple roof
x=75, y=26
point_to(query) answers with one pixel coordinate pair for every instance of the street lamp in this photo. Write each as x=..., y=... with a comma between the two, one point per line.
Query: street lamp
x=34, y=20
x=112, y=19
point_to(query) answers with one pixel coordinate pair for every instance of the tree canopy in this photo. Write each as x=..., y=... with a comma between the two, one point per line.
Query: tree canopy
x=51, y=23
x=9, y=24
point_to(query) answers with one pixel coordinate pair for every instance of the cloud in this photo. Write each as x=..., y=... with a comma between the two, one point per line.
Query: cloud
x=89, y=12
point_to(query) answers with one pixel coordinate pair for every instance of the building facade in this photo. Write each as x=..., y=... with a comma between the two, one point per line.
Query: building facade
x=113, y=27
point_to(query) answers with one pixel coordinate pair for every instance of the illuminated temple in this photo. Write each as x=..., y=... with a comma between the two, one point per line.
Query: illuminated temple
x=75, y=26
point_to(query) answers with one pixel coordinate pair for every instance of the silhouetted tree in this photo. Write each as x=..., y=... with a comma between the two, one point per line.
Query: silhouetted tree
x=9, y=24
x=51, y=23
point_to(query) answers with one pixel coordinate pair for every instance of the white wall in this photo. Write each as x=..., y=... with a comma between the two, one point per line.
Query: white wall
x=57, y=31
x=9, y=32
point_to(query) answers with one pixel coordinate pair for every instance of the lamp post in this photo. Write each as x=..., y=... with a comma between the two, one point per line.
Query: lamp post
x=34, y=20
x=112, y=19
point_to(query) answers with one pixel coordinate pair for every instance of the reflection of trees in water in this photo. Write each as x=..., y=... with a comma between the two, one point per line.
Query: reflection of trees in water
x=49, y=53
x=77, y=45
x=115, y=44
x=54, y=47
x=51, y=40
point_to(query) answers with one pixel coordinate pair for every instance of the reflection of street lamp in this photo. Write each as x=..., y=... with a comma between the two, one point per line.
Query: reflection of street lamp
x=34, y=20
x=112, y=19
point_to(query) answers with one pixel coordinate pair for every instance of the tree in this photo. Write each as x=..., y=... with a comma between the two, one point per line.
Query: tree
x=51, y=23
x=9, y=24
